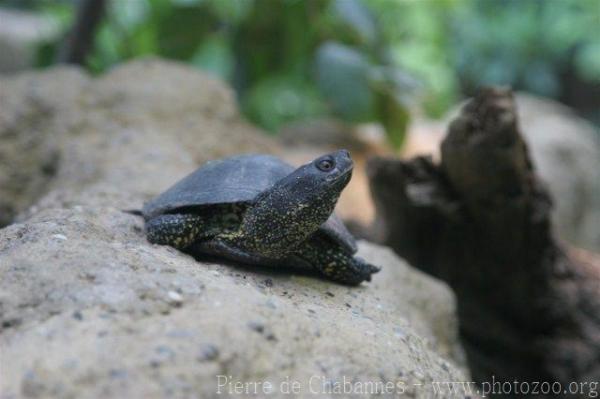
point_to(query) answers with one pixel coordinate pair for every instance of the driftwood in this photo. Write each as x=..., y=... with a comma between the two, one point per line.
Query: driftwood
x=529, y=308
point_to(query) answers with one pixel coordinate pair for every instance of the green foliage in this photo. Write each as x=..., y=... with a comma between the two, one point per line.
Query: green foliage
x=61, y=14
x=353, y=22
x=418, y=32
x=359, y=60
x=287, y=59
x=516, y=51
x=358, y=88
x=215, y=56
x=394, y=90
x=454, y=47
x=342, y=76
x=587, y=61
x=280, y=99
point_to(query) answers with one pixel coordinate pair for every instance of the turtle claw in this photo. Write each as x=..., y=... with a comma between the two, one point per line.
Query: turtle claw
x=366, y=269
x=374, y=269
x=357, y=271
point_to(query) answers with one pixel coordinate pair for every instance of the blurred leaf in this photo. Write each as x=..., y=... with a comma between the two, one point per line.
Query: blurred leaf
x=61, y=13
x=394, y=89
x=45, y=53
x=214, y=55
x=187, y=3
x=587, y=61
x=107, y=50
x=180, y=31
x=60, y=16
x=394, y=81
x=274, y=101
x=341, y=74
x=129, y=14
x=232, y=11
x=142, y=41
x=356, y=19
x=394, y=117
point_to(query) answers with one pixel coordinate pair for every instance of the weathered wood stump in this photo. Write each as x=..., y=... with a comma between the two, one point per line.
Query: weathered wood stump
x=480, y=220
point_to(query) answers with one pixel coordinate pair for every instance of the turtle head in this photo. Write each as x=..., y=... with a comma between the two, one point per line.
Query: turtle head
x=324, y=177
x=297, y=205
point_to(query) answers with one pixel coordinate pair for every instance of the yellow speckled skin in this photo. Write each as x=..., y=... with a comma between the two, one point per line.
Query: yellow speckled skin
x=280, y=227
x=334, y=262
x=178, y=231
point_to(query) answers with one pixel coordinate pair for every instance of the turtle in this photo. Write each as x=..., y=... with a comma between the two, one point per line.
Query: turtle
x=256, y=209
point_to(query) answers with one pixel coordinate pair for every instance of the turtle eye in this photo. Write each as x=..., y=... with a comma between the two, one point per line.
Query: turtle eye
x=325, y=165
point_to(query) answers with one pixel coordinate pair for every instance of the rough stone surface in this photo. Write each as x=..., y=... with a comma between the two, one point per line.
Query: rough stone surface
x=566, y=151
x=28, y=154
x=89, y=309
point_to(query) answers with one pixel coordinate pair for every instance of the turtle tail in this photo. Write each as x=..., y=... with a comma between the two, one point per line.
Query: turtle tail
x=135, y=212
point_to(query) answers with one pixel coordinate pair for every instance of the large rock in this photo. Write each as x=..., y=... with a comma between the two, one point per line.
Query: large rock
x=89, y=309
x=29, y=154
x=566, y=151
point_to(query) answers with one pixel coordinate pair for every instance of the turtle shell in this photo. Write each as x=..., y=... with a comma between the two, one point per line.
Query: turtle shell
x=237, y=179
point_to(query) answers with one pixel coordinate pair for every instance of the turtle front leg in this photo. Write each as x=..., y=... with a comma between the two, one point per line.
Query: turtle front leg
x=335, y=263
x=176, y=230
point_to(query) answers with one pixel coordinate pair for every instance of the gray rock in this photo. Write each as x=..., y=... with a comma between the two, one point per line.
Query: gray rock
x=89, y=309
x=566, y=151
x=29, y=154
x=20, y=32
